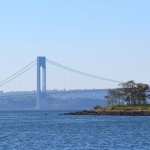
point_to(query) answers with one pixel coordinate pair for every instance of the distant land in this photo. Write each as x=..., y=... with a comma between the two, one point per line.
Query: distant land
x=55, y=100
x=120, y=110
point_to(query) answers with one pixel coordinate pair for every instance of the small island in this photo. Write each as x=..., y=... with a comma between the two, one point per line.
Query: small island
x=139, y=110
x=131, y=99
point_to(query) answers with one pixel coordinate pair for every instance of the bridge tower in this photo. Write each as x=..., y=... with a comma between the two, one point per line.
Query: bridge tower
x=41, y=80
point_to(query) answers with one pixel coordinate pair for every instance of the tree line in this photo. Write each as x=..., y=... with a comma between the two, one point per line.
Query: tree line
x=129, y=93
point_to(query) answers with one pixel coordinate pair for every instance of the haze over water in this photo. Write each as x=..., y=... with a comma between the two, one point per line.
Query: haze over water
x=24, y=130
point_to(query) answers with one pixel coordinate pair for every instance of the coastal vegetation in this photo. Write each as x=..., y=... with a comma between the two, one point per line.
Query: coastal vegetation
x=123, y=108
x=130, y=96
x=129, y=93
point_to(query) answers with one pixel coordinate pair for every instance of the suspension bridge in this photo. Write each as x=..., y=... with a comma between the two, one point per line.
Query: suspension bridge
x=43, y=79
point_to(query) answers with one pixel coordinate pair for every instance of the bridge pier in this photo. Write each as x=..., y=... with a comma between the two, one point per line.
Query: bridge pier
x=41, y=80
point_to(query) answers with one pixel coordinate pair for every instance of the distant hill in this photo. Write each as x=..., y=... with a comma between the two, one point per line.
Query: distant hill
x=58, y=100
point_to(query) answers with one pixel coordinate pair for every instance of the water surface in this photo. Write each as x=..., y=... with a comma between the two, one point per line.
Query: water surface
x=33, y=130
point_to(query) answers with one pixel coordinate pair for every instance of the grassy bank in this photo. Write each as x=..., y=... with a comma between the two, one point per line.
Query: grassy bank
x=123, y=107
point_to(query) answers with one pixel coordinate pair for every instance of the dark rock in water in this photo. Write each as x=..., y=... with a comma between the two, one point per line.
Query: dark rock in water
x=112, y=112
x=45, y=114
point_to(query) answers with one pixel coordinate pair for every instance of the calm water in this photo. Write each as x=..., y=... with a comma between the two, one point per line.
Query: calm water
x=31, y=130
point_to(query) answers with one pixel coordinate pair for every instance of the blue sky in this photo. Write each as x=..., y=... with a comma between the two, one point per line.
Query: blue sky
x=102, y=37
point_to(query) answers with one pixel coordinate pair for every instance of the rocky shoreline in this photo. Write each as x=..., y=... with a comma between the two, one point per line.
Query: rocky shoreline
x=112, y=112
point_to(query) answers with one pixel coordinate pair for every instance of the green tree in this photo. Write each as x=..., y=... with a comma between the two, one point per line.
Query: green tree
x=130, y=93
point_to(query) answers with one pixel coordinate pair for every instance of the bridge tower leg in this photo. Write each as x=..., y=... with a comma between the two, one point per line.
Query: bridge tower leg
x=41, y=80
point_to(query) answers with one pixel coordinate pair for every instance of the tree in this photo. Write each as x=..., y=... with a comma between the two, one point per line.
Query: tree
x=114, y=97
x=130, y=93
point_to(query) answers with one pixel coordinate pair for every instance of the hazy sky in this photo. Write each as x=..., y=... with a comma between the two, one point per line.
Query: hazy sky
x=108, y=38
